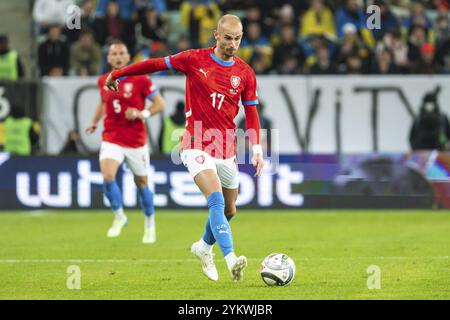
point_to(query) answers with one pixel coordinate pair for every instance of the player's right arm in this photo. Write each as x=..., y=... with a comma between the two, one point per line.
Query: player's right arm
x=99, y=112
x=178, y=62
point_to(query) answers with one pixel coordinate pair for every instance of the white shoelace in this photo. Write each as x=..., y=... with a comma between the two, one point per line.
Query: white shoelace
x=210, y=260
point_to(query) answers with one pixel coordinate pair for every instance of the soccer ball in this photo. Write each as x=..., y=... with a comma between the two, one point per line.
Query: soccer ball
x=277, y=269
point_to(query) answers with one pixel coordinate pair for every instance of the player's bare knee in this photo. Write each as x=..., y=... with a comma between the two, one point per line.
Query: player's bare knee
x=108, y=176
x=141, y=182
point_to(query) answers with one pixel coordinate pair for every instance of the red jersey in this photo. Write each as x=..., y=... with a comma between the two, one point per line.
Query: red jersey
x=213, y=91
x=134, y=90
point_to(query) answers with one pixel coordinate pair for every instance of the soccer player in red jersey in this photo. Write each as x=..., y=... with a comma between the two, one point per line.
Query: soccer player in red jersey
x=125, y=138
x=216, y=80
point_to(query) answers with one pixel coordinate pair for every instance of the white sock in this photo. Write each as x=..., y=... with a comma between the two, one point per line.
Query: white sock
x=119, y=214
x=230, y=259
x=204, y=246
x=150, y=221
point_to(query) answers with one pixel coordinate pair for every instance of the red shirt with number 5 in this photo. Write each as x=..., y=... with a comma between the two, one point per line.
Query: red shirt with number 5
x=133, y=92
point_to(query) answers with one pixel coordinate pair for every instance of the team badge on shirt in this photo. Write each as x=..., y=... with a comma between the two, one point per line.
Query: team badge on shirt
x=235, y=81
x=200, y=159
x=128, y=88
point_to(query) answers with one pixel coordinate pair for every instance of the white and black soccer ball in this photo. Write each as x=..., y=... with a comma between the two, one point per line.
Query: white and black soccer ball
x=277, y=269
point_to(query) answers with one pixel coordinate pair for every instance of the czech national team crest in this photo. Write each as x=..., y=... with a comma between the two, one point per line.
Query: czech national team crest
x=200, y=159
x=128, y=88
x=235, y=81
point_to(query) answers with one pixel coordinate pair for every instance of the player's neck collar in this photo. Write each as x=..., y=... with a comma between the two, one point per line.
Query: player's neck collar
x=219, y=61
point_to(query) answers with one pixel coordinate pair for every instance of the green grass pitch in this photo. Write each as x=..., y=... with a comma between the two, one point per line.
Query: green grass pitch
x=332, y=251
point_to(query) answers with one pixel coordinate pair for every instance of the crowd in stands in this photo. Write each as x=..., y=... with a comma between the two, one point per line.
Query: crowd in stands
x=280, y=36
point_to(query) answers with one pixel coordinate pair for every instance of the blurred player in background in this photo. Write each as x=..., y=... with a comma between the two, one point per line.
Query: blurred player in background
x=125, y=138
x=216, y=81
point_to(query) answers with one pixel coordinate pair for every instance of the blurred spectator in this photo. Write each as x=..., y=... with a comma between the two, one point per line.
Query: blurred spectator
x=417, y=17
x=154, y=50
x=352, y=13
x=394, y=42
x=312, y=44
x=200, y=18
x=442, y=24
x=384, y=64
x=10, y=65
x=416, y=39
x=53, y=53
x=174, y=5
x=113, y=26
x=446, y=65
x=353, y=65
x=176, y=121
x=286, y=15
x=72, y=145
x=431, y=129
x=388, y=19
x=56, y=72
x=353, y=45
x=153, y=25
x=159, y=5
x=259, y=62
x=291, y=65
x=316, y=29
x=318, y=20
x=256, y=43
x=323, y=64
x=402, y=4
x=85, y=55
x=433, y=4
x=86, y=21
x=286, y=51
x=183, y=43
x=443, y=55
x=125, y=8
x=253, y=15
x=51, y=12
x=21, y=135
x=427, y=63
x=299, y=6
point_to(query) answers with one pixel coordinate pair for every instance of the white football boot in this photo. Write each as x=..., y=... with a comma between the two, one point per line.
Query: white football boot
x=116, y=227
x=237, y=270
x=149, y=235
x=207, y=260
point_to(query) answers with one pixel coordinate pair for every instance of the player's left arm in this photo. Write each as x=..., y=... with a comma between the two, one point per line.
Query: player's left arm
x=253, y=132
x=250, y=100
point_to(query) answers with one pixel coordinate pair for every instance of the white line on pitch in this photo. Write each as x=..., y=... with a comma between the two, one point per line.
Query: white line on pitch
x=195, y=260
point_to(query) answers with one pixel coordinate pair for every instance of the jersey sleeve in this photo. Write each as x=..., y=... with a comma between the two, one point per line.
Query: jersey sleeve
x=179, y=62
x=101, y=84
x=249, y=95
x=150, y=89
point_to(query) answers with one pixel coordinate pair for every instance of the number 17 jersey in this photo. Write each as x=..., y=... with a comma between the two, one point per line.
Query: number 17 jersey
x=213, y=91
